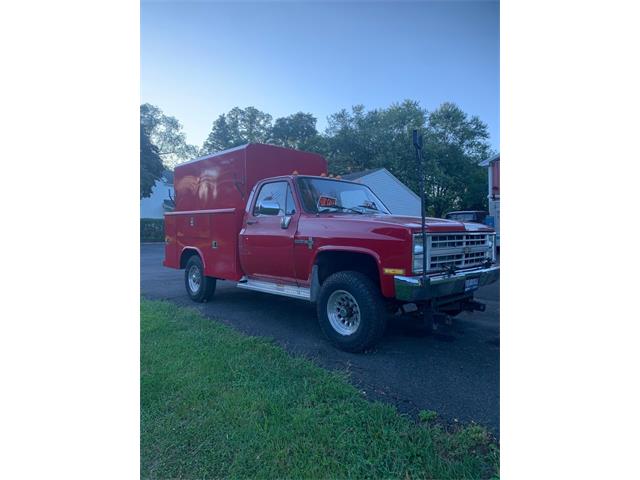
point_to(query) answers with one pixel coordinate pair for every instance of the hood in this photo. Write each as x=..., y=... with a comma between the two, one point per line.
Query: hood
x=413, y=223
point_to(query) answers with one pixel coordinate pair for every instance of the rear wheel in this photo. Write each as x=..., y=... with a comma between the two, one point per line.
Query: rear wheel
x=351, y=311
x=199, y=287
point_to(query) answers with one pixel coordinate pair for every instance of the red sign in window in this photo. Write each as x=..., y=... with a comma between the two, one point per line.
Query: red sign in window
x=327, y=201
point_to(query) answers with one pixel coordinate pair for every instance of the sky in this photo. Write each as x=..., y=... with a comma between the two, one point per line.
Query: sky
x=201, y=59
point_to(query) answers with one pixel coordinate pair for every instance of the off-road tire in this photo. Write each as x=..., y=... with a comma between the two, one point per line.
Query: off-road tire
x=371, y=305
x=207, y=285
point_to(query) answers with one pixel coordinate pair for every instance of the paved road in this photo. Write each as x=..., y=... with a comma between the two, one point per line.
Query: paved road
x=458, y=376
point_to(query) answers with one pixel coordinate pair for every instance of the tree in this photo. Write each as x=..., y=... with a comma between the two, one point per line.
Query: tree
x=360, y=140
x=295, y=131
x=151, y=167
x=454, y=144
x=166, y=134
x=357, y=139
x=237, y=127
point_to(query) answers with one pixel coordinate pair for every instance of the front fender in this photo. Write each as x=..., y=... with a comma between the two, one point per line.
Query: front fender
x=387, y=285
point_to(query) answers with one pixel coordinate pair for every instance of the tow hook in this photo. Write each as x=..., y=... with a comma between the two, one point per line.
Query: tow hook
x=436, y=321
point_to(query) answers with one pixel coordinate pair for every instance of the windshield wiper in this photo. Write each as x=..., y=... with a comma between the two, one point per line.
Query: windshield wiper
x=370, y=208
x=327, y=209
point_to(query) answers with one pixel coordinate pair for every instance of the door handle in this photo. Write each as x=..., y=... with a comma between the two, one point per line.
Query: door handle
x=308, y=242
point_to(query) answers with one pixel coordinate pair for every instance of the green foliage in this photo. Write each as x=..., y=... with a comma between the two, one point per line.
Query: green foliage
x=238, y=127
x=151, y=167
x=360, y=139
x=250, y=125
x=453, y=146
x=427, y=416
x=166, y=134
x=217, y=404
x=151, y=230
x=295, y=131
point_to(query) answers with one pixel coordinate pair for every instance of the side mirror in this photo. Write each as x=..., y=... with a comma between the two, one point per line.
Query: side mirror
x=268, y=207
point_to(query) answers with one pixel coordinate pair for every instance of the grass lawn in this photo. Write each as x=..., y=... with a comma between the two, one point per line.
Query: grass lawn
x=216, y=403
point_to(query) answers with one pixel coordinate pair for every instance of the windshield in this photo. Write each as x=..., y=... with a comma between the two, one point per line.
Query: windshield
x=320, y=195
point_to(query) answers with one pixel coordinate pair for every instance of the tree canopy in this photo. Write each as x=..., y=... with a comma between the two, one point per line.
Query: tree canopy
x=358, y=139
x=166, y=134
x=454, y=143
x=239, y=126
x=151, y=167
x=295, y=131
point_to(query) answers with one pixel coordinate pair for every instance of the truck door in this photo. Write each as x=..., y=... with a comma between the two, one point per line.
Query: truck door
x=266, y=239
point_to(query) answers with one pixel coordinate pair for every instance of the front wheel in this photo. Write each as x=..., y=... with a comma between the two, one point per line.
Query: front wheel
x=199, y=287
x=351, y=311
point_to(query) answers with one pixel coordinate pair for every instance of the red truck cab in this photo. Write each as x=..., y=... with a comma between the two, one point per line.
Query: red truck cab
x=271, y=220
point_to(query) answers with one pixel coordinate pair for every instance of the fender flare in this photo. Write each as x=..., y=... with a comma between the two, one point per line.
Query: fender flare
x=315, y=280
x=198, y=251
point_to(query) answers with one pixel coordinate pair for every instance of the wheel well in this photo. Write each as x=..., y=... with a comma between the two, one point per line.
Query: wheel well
x=331, y=262
x=187, y=253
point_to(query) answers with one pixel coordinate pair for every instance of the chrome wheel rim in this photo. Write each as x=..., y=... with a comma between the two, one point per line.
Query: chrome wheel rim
x=343, y=312
x=195, y=278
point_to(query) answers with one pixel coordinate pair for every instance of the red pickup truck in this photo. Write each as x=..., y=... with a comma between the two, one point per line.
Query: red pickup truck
x=271, y=220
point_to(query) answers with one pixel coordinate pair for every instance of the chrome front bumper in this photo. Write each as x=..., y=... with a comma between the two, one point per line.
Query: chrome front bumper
x=411, y=289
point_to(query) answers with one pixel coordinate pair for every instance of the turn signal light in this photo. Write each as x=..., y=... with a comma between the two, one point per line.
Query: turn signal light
x=394, y=271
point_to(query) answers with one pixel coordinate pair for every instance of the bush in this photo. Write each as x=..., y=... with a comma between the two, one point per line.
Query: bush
x=151, y=230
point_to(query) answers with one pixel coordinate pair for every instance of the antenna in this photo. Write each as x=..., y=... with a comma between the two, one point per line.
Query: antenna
x=417, y=140
x=417, y=143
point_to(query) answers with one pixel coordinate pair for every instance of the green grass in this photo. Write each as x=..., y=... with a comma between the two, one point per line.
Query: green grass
x=215, y=403
x=427, y=415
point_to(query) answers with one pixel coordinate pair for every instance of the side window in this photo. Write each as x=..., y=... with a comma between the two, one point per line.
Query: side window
x=290, y=207
x=275, y=192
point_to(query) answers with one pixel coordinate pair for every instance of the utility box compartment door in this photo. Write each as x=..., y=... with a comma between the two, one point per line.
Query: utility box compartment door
x=221, y=250
x=195, y=225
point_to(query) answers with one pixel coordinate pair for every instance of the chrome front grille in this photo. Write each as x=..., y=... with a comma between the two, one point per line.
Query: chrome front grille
x=454, y=250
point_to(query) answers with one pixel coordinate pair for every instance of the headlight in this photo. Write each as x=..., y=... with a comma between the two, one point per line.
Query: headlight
x=491, y=242
x=418, y=253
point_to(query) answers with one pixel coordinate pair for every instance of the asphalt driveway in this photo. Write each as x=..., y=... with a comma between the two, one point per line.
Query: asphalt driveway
x=457, y=376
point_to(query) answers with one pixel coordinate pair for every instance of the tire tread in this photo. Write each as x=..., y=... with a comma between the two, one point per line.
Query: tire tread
x=372, y=310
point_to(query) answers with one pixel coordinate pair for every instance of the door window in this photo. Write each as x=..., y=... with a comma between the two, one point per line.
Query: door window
x=272, y=192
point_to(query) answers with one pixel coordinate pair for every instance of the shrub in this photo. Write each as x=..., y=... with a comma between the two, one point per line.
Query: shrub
x=151, y=230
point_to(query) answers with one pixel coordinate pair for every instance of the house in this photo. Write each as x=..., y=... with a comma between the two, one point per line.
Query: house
x=493, y=164
x=161, y=199
x=398, y=198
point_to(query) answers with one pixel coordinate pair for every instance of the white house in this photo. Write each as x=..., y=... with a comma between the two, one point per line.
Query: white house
x=398, y=198
x=161, y=199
